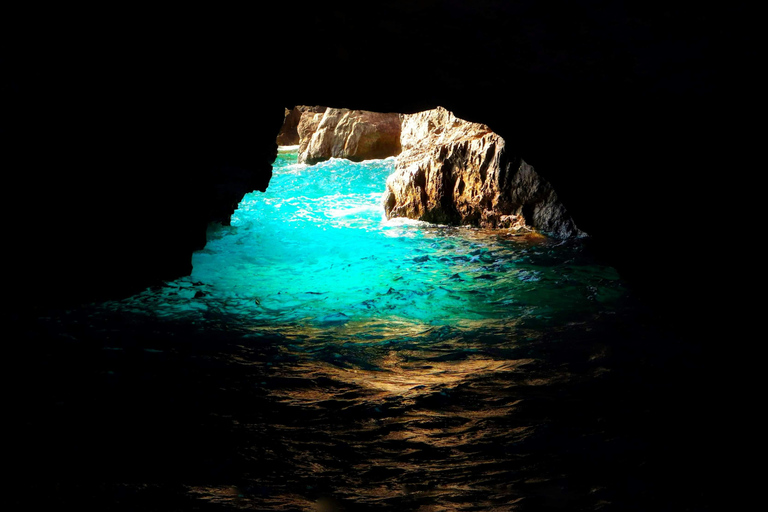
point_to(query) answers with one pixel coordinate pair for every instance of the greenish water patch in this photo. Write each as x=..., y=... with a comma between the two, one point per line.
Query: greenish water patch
x=315, y=251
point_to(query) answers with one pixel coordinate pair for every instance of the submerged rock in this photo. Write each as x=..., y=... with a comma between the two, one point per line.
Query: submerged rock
x=352, y=134
x=452, y=171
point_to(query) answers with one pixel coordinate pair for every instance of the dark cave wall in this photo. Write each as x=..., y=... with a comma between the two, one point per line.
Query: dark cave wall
x=119, y=157
x=124, y=145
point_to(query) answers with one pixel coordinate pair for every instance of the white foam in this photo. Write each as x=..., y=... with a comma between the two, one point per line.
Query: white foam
x=345, y=212
x=404, y=221
x=290, y=169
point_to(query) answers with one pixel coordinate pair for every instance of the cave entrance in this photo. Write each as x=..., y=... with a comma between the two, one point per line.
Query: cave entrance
x=317, y=248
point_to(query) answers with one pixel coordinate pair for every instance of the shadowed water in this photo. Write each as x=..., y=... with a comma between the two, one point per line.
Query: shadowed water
x=320, y=357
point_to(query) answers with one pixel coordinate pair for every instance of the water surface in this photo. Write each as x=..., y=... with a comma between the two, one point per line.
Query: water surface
x=321, y=357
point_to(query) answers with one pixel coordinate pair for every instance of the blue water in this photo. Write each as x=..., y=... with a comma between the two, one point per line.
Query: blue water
x=317, y=250
x=321, y=357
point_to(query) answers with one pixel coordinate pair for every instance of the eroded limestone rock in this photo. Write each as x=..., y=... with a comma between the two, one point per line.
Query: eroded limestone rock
x=448, y=171
x=289, y=134
x=352, y=134
x=452, y=171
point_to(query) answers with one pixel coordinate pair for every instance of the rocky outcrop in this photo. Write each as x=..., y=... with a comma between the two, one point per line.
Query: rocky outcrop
x=453, y=171
x=352, y=134
x=449, y=171
x=289, y=132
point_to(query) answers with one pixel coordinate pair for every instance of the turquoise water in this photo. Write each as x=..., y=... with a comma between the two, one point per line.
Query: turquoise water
x=316, y=250
x=320, y=354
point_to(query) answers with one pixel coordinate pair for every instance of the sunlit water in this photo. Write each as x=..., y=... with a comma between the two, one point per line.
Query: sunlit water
x=316, y=251
x=320, y=355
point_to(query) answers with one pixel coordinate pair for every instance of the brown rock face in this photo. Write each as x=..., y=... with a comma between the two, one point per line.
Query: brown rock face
x=289, y=134
x=352, y=134
x=452, y=171
x=449, y=171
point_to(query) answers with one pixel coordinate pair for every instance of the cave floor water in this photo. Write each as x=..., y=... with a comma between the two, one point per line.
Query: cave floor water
x=320, y=357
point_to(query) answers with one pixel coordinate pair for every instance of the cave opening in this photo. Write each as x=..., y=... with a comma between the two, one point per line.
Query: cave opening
x=318, y=339
x=320, y=248
x=323, y=247
x=316, y=248
x=305, y=364
x=351, y=343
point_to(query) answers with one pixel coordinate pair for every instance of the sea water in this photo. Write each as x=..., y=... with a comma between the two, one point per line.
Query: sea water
x=323, y=357
x=316, y=250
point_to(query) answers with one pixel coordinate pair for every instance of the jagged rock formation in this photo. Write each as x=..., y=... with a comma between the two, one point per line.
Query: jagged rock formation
x=449, y=171
x=453, y=171
x=289, y=132
x=352, y=134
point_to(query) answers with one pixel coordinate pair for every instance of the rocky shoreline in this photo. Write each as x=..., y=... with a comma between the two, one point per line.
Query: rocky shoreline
x=448, y=171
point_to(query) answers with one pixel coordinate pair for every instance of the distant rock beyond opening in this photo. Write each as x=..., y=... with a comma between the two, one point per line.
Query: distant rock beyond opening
x=448, y=171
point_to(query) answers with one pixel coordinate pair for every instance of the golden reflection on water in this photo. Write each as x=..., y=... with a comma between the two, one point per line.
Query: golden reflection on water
x=396, y=377
x=389, y=391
